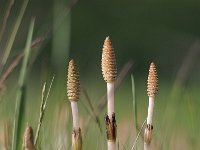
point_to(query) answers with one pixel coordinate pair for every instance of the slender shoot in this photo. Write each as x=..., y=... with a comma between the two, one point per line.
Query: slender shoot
x=109, y=71
x=134, y=105
x=152, y=88
x=11, y=40
x=73, y=93
x=138, y=135
x=6, y=16
x=19, y=99
x=42, y=109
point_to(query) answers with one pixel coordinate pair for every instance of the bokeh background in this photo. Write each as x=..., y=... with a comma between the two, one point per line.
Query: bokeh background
x=142, y=31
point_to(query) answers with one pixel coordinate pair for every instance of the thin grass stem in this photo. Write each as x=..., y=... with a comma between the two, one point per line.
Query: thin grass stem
x=138, y=135
x=5, y=19
x=21, y=84
x=134, y=106
x=11, y=40
x=42, y=109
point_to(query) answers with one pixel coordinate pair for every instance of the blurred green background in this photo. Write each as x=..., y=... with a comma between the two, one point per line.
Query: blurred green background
x=165, y=32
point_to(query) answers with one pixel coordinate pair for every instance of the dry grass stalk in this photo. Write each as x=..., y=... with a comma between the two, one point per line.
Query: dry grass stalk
x=10, y=69
x=73, y=93
x=152, y=89
x=16, y=62
x=28, y=139
x=42, y=109
x=109, y=71
x=5, y=19
x=188, y=63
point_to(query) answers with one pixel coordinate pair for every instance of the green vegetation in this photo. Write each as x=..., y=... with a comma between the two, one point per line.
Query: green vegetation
x=32, y=51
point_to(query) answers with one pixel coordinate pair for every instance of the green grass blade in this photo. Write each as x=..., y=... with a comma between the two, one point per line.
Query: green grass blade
x=11, y=40
x=19, y=97
x=5, y=19
x=61, y=36
x=134, y=104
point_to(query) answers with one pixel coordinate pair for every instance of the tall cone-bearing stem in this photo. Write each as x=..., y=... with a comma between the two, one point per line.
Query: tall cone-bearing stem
x=73, y=93
x=152, y=89
x=109, y=71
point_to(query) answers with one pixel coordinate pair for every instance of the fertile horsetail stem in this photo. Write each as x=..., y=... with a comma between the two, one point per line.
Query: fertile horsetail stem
x=152, y=89
x=109, y=71
x=73, y=93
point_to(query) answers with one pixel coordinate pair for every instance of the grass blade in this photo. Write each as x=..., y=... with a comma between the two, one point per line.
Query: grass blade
x=134, y=105
x=5, y=19
x=13, y=65
x=19, y=96
x=11, y=40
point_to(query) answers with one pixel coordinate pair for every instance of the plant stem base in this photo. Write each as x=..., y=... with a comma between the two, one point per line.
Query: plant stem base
x=111, y=128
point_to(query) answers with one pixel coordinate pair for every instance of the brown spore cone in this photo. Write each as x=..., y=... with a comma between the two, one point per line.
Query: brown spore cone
x=73, y=82
x=108, y=62
x=152, y=82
